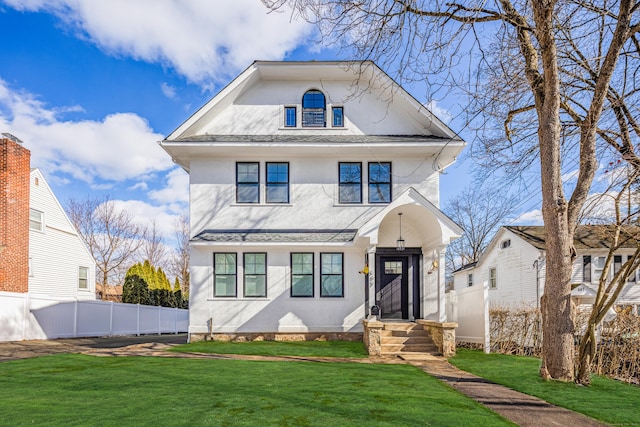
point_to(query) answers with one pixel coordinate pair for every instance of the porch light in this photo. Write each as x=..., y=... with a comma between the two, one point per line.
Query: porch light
x=400, y=241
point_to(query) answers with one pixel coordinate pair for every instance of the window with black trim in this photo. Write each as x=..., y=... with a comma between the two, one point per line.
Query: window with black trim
x=505, y=243
x=338, y=116
x=290, y=119
x=350, y=182
x=331, y=275
x=224, y=274
x=302, y=274
x=380, y=182
x=586, y=268
x=247, y=182
x=255, y=274
x=313, y=109
x=277, y=182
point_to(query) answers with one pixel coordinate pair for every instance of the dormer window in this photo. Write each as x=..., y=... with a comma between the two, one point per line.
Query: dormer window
x=313, y=109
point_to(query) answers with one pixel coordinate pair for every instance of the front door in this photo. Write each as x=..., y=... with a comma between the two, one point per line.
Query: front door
x=392, y=287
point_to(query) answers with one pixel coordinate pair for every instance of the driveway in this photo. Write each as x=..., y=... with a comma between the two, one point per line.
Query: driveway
x=24, y=349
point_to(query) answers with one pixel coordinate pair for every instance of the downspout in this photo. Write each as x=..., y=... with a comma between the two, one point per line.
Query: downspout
x=536, y=264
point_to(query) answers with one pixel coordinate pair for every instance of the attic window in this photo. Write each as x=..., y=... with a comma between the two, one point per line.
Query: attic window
x=505, y=244
x=313, y=109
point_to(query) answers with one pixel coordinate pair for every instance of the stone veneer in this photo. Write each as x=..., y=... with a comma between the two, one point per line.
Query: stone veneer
x=277, y=336
x=443, y=335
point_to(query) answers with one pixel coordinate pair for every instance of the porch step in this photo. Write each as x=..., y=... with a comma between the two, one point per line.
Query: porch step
x=397, y=338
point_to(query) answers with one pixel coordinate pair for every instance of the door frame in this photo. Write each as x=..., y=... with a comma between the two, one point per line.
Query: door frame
x=413, y=258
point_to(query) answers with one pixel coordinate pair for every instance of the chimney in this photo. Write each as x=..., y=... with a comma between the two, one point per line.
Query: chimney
x=14, y=214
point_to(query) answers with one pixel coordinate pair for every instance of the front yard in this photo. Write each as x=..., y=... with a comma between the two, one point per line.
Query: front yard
x=88, y=390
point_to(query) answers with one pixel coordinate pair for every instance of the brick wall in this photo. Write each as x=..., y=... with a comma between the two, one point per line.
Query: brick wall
x=14, y=216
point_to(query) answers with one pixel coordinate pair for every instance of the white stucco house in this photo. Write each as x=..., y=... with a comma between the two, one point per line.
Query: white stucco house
x=60, y=264
x=305, y=179
x=513, y=267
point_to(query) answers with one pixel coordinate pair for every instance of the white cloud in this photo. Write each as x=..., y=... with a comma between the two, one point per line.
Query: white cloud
x=206, y=41
x=143, y=213
x=120, y=146
x=440, y=112
x=176, y=189
x=168, y=90
x=139, y=186
x=533, y=217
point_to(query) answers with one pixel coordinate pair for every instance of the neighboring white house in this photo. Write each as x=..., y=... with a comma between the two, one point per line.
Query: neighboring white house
x=304, y=179
x=513, y=267
x=60, y=265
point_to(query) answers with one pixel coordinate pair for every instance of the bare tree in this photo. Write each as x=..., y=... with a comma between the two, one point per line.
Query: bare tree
x=622, y=231
x=110, y=233
x=180, y=261
x=479, y=211
x=556, y=75
x=153, y=247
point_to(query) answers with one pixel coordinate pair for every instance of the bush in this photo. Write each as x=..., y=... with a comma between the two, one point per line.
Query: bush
x=135, y=290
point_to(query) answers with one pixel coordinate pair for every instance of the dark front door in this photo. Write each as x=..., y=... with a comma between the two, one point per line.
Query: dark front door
x=392, y=287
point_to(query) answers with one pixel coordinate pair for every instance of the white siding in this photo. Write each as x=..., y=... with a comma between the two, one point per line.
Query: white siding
x=313, y=193
x=515, y=271
x=57, y=253
x=278, y=311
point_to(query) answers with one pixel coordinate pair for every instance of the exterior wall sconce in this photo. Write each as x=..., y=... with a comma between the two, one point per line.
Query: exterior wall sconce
x=365, y=270
x=400, y=241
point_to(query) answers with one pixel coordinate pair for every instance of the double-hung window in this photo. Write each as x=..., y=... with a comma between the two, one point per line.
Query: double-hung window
x=380, y=182
x=224, y=274
x=277, y=182
x=598, y=267
x=331, y=277
x=83, y=278
x=255, y=274
x=302, y=274
x=350, y=182
x=36, y=220
x=632, y=276
x=247, y=182
x=470, y=279
x=493, y=278
x=586, y=268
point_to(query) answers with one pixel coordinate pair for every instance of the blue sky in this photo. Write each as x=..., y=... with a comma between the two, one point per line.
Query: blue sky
x=91, y=86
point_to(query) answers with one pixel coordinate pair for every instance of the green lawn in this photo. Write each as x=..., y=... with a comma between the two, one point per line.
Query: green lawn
x=74, y=390
x=279, y=348
x=607, y=400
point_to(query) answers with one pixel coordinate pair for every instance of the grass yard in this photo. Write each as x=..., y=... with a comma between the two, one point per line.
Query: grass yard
x=606, y=400
x=74, y=390
x=346, y=349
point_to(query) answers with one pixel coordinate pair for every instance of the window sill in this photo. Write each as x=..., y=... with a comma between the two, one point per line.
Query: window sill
x=321, y=128
x=239, y=299
x=366, y=205
x=263, y=205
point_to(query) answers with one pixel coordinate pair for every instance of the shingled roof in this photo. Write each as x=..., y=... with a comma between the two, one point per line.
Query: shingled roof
x=280, y=236
x=586, y=236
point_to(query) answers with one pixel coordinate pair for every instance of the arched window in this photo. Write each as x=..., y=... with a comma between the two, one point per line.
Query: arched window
x=313, y=109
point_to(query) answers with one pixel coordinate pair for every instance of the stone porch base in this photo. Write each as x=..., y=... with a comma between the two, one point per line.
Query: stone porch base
x=443, y=335
x=277, y=336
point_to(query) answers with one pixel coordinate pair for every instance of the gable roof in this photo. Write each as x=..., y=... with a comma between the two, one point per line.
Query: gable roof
x=348, y=71
x=586, y=236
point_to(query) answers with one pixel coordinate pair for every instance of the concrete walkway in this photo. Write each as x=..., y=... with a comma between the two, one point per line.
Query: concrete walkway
x=520, y=408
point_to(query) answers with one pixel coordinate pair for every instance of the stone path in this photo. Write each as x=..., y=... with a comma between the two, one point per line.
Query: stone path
x=520, y=408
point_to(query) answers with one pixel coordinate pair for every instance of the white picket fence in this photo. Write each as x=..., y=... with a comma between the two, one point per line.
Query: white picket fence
x=29, y=317
x=469, y=307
